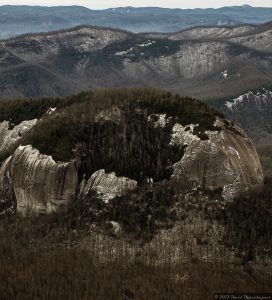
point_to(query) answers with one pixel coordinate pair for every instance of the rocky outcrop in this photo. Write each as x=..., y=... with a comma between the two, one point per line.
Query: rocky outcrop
x=192, y=60
x=106, y=186
x=9, y=137
x=7, y=196
x=112, y=114
x=158, y=120
x=251, y=100
x=40, y=184
x=149, y=140
x=227, y=159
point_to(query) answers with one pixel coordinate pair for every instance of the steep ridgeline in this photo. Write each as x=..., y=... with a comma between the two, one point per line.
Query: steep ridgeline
x=212, y=32
x=98, y=146
x=207, y=62
x=251, y=100
x=25, y=19
x=253, y=112
x=259, y=39
x=39, y=183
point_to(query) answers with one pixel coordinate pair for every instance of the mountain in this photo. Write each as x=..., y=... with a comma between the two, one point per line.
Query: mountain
x=25, y=19
x=202, y=62
x=212, y=32
x=136, y=193
x=102, y=145
x=251, y=101
x=253, y=112
x=126, y=178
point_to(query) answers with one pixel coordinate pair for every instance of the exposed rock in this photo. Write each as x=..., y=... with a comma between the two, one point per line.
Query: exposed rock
x=108, y=186
x=224, y=158
x=51, y=110
x=159, y=120
x=112, y=114
x=225, y=74
x=251, y=101
x=228, y=159
x=8, y=137
x=7, y=196
x=183, y=135
x=40, y=184
x=192, y=60
x=116, y=227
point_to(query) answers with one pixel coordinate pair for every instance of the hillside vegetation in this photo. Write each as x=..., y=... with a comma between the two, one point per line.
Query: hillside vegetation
x=166, y=239
x=194, y=61
x=121, y=137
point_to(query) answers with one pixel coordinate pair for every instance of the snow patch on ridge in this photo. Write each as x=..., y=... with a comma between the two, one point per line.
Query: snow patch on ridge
x=108, y=186
x=183, y=135
x=250, y=100
x=159, y=120
x=147, y=44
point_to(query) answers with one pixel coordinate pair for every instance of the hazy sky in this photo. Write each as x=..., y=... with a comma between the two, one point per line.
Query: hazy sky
x=97, y=4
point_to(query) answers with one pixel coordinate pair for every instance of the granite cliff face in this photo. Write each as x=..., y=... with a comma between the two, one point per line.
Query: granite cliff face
x=7, y=196
x=39, y=184
x=131, y=147
x=190, y=61
x=106, y=186
x=9, y=136
x=227, y=159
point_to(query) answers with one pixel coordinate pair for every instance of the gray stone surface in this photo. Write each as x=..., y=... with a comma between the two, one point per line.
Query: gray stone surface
x=40, y=184
x=108, y=186
x=9, y=137
x=228, y=159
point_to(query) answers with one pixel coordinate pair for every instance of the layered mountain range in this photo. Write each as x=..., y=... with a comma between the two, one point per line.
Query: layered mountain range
x=139, y=192
x=25, y=19
x=207, y=62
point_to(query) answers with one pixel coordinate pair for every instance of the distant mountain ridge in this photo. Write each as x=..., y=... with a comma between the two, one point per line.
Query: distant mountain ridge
x=205, y=62
x=19, y=19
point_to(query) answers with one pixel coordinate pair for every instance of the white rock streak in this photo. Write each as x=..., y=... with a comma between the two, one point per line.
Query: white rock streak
x=250, y=100
x=108, y=186
x=40, y=184
x=10, y=136
x=221, y=161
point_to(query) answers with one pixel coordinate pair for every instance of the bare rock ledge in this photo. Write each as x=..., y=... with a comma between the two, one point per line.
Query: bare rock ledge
x=40, y=184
